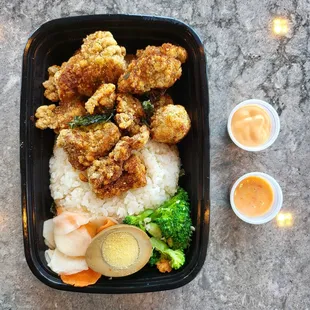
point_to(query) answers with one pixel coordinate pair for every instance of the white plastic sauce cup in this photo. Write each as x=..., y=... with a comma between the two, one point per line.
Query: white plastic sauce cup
x=275, y=124
x=277, y=202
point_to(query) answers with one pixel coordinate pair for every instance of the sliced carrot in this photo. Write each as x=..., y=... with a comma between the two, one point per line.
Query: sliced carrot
x=81, y=279
x=107, y=224
x=91, y=228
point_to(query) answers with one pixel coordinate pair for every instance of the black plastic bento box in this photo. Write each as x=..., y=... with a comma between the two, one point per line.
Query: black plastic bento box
x=53, y=43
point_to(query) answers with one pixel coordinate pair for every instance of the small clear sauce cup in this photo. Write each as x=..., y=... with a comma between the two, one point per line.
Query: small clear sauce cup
x=276, y=205
x=275, y=124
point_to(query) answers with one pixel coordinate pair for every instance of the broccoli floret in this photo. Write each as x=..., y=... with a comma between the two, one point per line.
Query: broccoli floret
x=174, y=221
x=138, y=220
x=154, y=258
x=171, y=221
x=176, y=257
x=154, y=230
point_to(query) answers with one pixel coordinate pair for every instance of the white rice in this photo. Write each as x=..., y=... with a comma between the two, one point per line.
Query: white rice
x=162, y=165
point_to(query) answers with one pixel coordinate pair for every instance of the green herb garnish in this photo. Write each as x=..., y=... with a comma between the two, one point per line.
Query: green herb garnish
x=148, y=108
x=126, y=76
x=90, y=119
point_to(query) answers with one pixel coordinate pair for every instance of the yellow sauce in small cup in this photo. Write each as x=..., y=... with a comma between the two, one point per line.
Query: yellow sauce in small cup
x=251, y=125
x=253, y=196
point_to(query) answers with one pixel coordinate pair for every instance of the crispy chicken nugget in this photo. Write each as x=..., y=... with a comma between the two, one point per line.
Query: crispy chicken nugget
x=170, y=124
x=51, y=92
x=100, y=60
x=58, y=117
x=163, y=101
x=129, y=113
x=120, y=170
x=155, y=67
x=126, y=145
x=133, y=176
x=86, y=144
x=167, y=49
x=102, y=99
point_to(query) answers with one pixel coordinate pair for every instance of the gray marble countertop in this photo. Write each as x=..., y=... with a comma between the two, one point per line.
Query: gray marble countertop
x=247, y=267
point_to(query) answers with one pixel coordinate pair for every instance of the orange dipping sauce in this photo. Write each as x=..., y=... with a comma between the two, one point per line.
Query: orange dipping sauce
x=253, y=196
x=251, y=125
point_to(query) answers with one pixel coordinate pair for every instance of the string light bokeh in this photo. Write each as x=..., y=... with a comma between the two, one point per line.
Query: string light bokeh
x=284, y=219
x=280, y=26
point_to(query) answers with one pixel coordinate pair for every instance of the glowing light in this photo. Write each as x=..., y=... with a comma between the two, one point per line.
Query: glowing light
x=284, y=219
x=280, y=26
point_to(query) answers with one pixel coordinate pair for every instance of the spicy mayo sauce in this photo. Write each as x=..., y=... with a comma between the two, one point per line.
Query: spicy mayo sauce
x=251, y=125
x=253, y=196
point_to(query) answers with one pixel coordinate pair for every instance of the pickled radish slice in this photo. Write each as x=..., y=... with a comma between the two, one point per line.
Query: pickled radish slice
x=98, y=221
x=75, y=243
x=62, y=264
x=66, y=222
x=48, y=233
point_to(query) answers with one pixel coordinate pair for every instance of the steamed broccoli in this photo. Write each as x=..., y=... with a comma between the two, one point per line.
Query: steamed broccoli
x=174, y=221
x=170, y=222
x=138, y=220
x=176, y=258
x=154, y=230
x=154, y=258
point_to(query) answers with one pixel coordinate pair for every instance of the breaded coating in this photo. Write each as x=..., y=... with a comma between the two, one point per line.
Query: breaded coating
x=155, y=67
x=133, y=176
x=129, y=113
x=163, y=265
x=126, y=145
x=105, y=171
x=100, y=60
x=58, y=117
x=86, y=144
x=102, y=99
x=167, y=49
x=124, y=120
x=51, y=92
x=170, y=124
x=163, y=101
x=121, y=151
x=138, y=141
x=120, y=170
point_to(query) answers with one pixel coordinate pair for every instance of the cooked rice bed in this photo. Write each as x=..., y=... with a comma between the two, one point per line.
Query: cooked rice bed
x=162, y=165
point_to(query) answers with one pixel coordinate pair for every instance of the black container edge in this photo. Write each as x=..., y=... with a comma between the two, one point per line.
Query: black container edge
x=31, y=260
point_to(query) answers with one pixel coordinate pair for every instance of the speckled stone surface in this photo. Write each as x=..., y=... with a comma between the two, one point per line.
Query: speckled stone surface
x=247, y=267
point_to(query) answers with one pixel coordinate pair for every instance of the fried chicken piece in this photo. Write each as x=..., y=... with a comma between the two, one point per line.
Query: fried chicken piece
x=163, y=265
x=129, y=113
x=102, y=99
x=170, y=124
x=163, y=101
x=51, y=92
x=86, y=144
x=120, y=170
x=58, y=117
x=105, y=171
x=167, y=49
x=100, y=60
x=126, y=145
x=133, y=176
x=155, y=67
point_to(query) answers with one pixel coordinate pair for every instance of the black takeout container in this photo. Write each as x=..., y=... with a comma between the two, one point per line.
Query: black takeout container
x=53, y=43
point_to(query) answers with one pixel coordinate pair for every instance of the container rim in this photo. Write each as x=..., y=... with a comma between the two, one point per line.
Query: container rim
x=108, y=16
